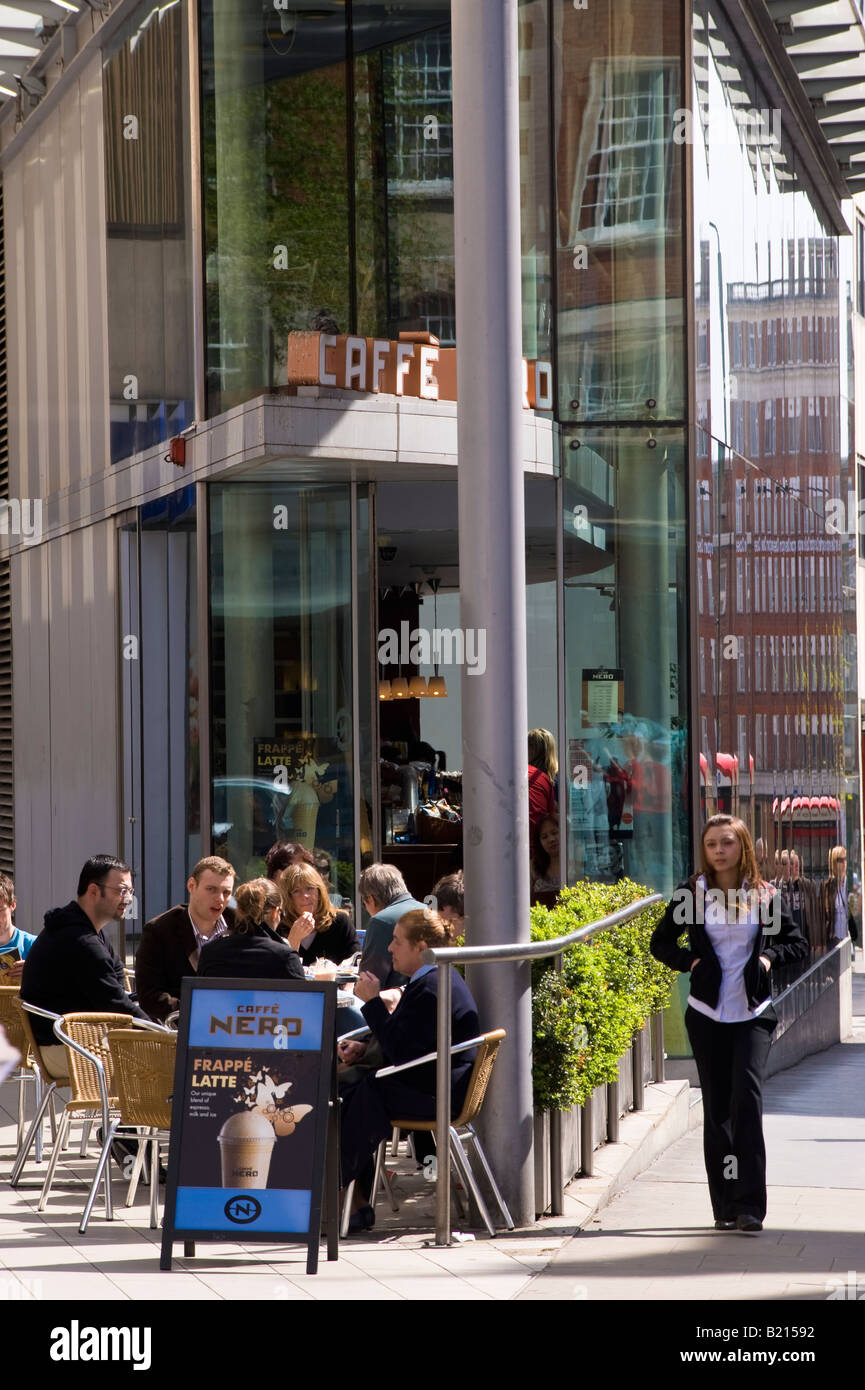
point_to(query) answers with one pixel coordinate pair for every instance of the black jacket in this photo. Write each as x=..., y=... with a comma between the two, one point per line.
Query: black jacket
x=335, y=943
x=71, y=968
x=410, y=1031
x=255, y=955
x=781, y=947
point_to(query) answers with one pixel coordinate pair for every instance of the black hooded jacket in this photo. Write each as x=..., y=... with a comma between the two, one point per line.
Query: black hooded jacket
x=72, y=969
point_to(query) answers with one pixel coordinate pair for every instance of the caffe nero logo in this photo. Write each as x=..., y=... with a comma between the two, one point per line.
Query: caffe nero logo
x=243, y=1210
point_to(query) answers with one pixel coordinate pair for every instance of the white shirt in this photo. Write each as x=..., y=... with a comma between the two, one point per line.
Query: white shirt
x=733, y=944
x=840, y=925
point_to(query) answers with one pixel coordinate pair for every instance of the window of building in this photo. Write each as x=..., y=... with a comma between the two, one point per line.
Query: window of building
x=736, y=353
x=769, y=428
x=754, y=428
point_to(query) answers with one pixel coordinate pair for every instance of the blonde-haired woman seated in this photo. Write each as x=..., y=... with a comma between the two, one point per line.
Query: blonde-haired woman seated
x=252, y=949
x=313, y=926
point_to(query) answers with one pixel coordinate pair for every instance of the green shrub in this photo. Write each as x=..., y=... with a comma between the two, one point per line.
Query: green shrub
x=585, y=1018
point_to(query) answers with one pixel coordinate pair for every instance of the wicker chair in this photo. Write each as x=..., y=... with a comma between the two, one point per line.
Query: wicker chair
x=143, y=1066
x=27, y=1070
x=49, y=1085
x=85, y=1037
x=462, y=1133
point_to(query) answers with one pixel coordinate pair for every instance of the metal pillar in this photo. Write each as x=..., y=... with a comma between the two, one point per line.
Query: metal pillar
x=492, y=559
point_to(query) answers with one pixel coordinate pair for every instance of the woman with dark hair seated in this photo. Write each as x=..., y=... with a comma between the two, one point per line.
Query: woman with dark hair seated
x=252, y=949
x=310, y=921
x=281, y=855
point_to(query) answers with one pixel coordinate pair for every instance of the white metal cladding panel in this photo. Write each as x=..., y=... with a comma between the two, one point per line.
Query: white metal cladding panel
x=30, y=699
x=65, y=685
x=55, y=240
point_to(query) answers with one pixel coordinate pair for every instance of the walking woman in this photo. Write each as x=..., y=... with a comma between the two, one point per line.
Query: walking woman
x=838, y=920
x=739, y=929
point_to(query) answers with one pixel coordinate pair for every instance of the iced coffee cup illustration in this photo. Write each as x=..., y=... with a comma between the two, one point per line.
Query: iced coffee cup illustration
x=246, y=1143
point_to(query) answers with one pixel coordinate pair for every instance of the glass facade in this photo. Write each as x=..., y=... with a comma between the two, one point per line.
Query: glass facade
x=626, y=617
x=282, y=676
x=327, y=163
x=620, y=306
x=327, y=149
x=776, y=631
x=620, y=349
x=148, y=192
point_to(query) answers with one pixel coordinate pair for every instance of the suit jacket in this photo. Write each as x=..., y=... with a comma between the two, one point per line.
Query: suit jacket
x=166, y=953
x=410, y=1031
x=255, y=955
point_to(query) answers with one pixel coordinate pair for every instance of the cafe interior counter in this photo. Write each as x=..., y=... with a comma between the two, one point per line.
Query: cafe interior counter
x=422, y=865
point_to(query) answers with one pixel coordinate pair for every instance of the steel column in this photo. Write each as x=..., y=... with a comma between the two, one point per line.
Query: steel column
x=492, y=559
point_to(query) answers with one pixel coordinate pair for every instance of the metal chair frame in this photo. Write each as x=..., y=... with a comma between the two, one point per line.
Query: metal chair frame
x=27, y=1070
x=49, y=1085
x=106, y=1105
x=462, y=1133
x=146, y=1136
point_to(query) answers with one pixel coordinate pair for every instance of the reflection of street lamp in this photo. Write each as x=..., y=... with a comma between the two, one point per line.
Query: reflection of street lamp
x=723, y=334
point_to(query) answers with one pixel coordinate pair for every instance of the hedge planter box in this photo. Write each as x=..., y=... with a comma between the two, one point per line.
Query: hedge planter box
x=571, y=1125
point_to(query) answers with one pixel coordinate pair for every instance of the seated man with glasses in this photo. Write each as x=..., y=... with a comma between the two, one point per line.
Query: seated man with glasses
x=70, y=967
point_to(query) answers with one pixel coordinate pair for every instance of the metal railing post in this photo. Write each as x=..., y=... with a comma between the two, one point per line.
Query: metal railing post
x=557, y=1182
x=443, y=1108
x=612, y=1112
x=587, y=1137
x=637, y=1069
x=658, y=1047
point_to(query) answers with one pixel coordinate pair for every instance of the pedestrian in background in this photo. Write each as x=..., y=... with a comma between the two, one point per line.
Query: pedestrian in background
x=837, y=919
x=738, y=929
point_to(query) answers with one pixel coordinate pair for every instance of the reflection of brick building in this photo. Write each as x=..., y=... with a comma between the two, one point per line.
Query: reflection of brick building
x=618, y=189
x=770, y=575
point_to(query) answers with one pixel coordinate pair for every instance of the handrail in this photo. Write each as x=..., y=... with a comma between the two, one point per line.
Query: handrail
x=536, y=950
x=443, y=958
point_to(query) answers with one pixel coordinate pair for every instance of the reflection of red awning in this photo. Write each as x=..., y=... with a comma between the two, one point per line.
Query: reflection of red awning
x=785, y=804
x=704, y=767
x=775, y=807
x=727, y=764
x=751, y=765
x=827, y=803
x=796, y=803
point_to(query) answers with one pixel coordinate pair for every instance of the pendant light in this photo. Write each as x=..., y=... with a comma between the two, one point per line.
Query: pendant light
x=437, y=686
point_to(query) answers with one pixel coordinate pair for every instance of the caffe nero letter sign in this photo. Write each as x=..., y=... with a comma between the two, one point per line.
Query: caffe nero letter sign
x=412, y=365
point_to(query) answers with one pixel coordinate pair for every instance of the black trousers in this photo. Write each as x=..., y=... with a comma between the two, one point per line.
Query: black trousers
x=731, y=1062
x=366, y=1113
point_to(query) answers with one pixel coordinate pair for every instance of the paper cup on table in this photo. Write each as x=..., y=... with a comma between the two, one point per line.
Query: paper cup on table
x=246, y=1143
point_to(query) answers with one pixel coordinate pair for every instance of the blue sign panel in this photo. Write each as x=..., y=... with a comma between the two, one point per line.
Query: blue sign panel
x=259, y=1019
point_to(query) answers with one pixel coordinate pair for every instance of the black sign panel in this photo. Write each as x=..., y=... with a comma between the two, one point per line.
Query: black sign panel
x=252, y=1114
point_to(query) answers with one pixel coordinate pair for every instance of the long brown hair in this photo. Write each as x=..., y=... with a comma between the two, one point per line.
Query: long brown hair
x=747, y=867
x=304, y=876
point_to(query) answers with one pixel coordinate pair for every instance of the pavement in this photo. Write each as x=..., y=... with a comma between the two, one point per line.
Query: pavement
x=651, y=1241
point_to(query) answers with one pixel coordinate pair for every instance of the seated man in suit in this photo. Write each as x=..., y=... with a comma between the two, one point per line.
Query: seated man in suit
x=171, y=943
x=384, y=894
x=71, y=968
x=404, y=1034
